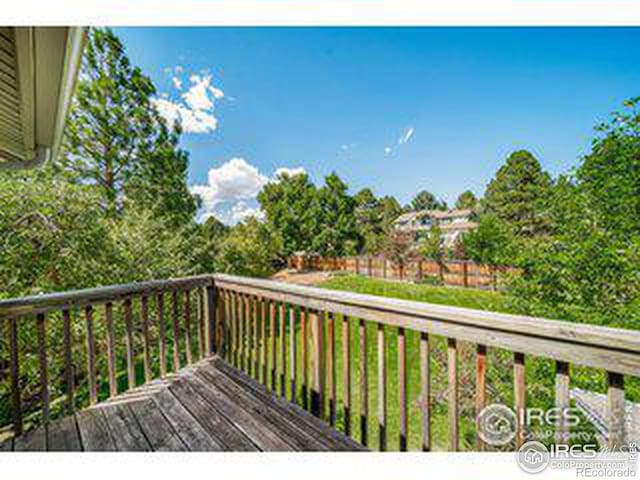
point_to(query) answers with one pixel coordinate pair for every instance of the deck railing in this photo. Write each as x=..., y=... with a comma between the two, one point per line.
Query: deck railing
x=294, y=339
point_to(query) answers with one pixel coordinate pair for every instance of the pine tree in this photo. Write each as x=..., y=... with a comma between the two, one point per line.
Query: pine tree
x=116, y=139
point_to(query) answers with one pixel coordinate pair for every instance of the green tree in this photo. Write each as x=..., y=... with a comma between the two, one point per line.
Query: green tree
x=466, y=200
x=337, y=232
x=289, y=206
x=116, y=139
x=374, y=219
x=431, y=247
x=251, y=248
x=518, y=192
x=425, y=200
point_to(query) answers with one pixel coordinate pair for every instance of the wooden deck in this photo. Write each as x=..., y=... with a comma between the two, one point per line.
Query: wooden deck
x=207, y=407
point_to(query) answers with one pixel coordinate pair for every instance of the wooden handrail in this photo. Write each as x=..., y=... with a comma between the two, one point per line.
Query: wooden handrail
x=588, y=345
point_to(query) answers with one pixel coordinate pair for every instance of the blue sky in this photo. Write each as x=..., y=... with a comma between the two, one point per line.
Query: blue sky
x=394, y=109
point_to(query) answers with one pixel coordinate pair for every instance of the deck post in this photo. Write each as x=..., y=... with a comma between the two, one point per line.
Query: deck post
x=210, y=307
x=318, y=362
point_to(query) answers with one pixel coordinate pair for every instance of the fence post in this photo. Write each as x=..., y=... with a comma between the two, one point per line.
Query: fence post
x=384, y=267
x=357, y=265
x=465, y=273
x=210, y=305
x=369, y=266
x=419, y=270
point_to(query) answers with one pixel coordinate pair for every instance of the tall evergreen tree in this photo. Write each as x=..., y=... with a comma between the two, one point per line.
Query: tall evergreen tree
x=518, y=192
x=116, y=139
x=425, y=200
x=466, y=200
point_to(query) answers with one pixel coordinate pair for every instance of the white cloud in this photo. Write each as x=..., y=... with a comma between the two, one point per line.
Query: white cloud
x=406, y=136
x=288, y=171
x=194, y=110
x=387, y=150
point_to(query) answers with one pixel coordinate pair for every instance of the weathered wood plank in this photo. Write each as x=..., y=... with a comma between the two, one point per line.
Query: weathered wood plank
x=128, y=341
x=425, y=390
x=285, y=426
x=111, y=345
x=331, y=367
x=63, y=435
x=94, y=432
x=42, y=362
x=14, y=371
x=202, y=347
x=6, y=445
x=210, y=418
x=185, y=425
x=452, y=362
x=68, y=361
x=91, y=356
x=616, y=413
x=124, y=429
x=272, y=344
x=32, y=441
x=364, y=389
x=211, y=321
x=253, y=426
x=582, y=344
x=402, y=389
x=480, y=400
x=256, y=337
x=346, y=374
x=562, y=402
x=186, y=313
x=318, y=370
x=146, y=339
x=263, y=335
x=382, y=389
x=519, y=395
x=309, y=423
x=158, y=431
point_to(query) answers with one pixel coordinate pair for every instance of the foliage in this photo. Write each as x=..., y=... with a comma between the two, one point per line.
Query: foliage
x=116, y=139
x=206, y=239
x=375, y=218
x=431, y=247
x=466, y=200
x=491, y=243
x=425, y=200
x=518, y=192
x=399, y=249
x=250, y=248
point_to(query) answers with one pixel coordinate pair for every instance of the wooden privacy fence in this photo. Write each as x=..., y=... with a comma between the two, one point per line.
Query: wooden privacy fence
x=306, y=344
x=463, y=273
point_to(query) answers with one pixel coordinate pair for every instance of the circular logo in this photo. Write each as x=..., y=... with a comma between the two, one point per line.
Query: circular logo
x=533, y=457
x=496, y=424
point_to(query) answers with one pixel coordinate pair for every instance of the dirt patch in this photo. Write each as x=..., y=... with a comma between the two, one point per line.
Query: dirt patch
x=309, y=278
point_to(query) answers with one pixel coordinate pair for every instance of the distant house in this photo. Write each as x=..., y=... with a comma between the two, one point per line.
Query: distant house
x=453, y=223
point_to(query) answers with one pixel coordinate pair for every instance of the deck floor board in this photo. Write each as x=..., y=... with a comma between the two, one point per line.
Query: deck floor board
x=209, y=406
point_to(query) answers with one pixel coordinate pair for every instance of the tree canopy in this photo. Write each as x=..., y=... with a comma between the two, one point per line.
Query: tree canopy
x=426, y=200
x=466, y=200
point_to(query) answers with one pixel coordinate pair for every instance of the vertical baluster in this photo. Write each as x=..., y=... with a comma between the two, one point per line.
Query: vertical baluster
x=202, y=349
x=162, y=333
x=317, y=363
x=453, y=393
x=425, y=390
x=263, y=314
x=15, y=377
x=402, y=388
x=481, y=370
x=305, y=357
x=91, y=356
x=187, y=326
x=331, y=367
x=562, y=401
x=68, y=361
x=293, y=371
x=346, y=373
x=111, y=357
x=616, y=412
x=283, y=350
x=211, y=309
x=519, y=396
x=364, y=390
x=246, y=318
x=42, y=360
x=234, y=328
x=256, y=337
x=176, y=331
x=272, y=341
x=131, y=368
x=226, y=296
x=382, y=389
x=242, y=332
x=146, y=346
